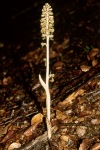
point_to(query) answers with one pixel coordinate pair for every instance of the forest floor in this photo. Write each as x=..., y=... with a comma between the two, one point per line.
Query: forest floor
x=75, y=91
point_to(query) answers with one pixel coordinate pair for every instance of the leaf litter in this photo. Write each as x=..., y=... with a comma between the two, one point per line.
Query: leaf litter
x=75, y=94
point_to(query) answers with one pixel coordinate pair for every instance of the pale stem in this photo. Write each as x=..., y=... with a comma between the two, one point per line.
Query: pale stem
x=47, y=78
x=47, y=105
x=47, y=86
x=47, y=61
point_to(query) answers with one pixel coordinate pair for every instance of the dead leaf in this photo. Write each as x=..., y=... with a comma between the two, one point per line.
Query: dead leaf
x=94, y=62
x=53, y=54
x=64, y=138
x=31, y=129
x=9, y=135
x=2, y=112
x=65, y=43
x=96, y=146
x=58, y=65
x=85, y=68
x=81, y=131
x=94, y=52
x=84, y=144
x=7, y=80
x=61, y=145
x=60, y=115
x=14, y=145
x=38, y=118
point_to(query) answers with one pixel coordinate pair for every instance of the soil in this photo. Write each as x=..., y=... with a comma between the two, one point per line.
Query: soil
x=75, y=88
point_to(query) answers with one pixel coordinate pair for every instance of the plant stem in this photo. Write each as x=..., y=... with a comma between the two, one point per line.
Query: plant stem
x=47, y=61
x=47, y=79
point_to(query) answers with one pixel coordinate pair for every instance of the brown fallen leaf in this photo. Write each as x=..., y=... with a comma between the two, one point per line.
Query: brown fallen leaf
x=53, y=53
x=5, y=129
x=94, y=52
x=96, y=146
x=65, y=43
x=94, y=62
x=7, y=80
x=58, y=65
x=9, y=135
x=37, y=118
x=64, y=138
x=60, y=115
x=81, y=131
x=84, y=144
x=61, y=145
x=85, y=68
x=31, y=129
x=14, y=145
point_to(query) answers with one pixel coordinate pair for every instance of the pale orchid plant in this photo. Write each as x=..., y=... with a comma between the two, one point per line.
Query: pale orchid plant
x=47, y=30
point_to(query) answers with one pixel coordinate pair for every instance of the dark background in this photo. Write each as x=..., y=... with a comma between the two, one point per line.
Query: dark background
x=20, y=19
